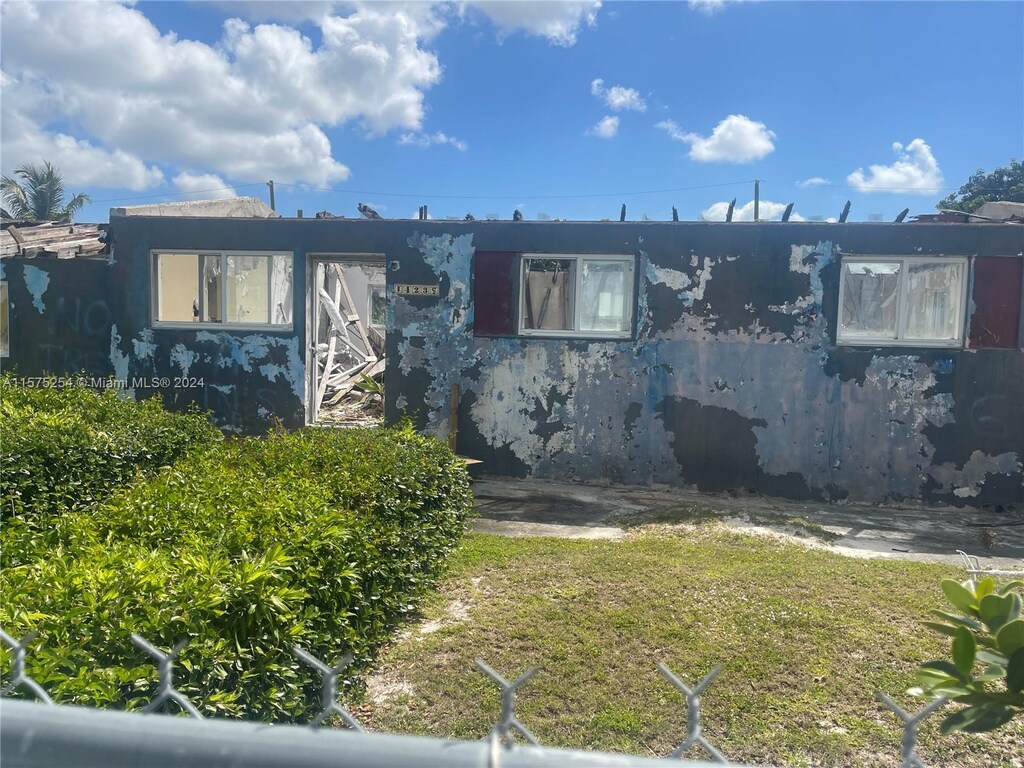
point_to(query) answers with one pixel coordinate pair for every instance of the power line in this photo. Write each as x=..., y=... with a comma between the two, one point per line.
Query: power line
x=377, y=193
x=871, y=187
x=512, y=197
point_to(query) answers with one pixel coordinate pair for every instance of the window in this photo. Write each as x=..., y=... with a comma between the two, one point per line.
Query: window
x=378, y=304
x=576, y=296
x=902, y=300
x=5, y=334
x=222, y=288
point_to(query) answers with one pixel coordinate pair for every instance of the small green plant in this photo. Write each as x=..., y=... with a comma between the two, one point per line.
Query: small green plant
x=370, y=385
x=988, y=632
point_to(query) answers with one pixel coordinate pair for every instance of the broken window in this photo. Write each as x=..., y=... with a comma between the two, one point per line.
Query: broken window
x=577, y=295
x=377, y=311
x=223, y=288
x=5, y=334
x=907, y=300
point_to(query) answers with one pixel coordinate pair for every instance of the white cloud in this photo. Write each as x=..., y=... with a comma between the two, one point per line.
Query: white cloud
x=557, y=20
x=287, y=11
x=711, y=7
x=673, y=130
x=618, y=97
x=252, y=107
x=81, y=163
x=426, y=139
x=915, y=170
x=814, y=181
x=736, y=139
x=767, y=210
x=707, y=7
x=203, y=186
x=606, y=127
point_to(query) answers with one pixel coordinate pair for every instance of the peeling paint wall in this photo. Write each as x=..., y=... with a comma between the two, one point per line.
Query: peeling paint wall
x=733, y=379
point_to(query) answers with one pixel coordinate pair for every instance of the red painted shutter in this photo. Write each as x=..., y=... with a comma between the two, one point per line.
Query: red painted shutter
x=997, y=287
x=494, y=292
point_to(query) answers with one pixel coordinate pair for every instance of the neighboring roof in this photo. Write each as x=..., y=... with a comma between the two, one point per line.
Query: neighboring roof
x=999, y=212
x=63, y=241
x=1002, y=211
x=231, y=207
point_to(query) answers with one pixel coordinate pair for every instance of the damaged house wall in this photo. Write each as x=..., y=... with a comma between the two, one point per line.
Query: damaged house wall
x=728, y=376
x=96, y=316
x=732, y=378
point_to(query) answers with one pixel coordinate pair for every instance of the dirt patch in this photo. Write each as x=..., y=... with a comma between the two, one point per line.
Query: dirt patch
x=384, y=685
x=754, y=520
x=456, y=611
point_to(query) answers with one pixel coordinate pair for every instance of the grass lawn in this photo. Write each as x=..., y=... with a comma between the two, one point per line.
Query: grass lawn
x=805, y=639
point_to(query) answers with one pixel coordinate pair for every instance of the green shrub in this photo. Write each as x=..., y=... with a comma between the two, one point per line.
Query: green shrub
x=66, y=448
x=323, y=538
x=987, y=631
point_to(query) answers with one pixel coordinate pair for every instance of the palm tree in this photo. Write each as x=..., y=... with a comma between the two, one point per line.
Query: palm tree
x=41, y=197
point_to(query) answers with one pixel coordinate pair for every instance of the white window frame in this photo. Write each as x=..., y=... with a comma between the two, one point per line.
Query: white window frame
x=628, y=259
x=154, y=300
x=902, y=307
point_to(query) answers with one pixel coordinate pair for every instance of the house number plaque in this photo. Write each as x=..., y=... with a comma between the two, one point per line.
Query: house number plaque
x=410, y=289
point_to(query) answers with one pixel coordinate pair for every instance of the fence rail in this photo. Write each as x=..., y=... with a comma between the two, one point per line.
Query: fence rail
x=34, y=735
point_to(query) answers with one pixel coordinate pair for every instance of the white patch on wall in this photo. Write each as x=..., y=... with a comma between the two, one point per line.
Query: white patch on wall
x=272, y=371
x=144, y=346
x=119, y=360
x=968, y=482
x=183, y=357
x=36, y=281
x=674, y=279
x=794, y=307
x=799, y=256
x=703, y=278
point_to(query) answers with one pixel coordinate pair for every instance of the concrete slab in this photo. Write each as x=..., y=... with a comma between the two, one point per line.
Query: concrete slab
x=518, y=529
x=543, y=508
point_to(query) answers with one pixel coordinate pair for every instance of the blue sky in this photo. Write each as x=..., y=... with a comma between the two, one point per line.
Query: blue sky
x=567, y=109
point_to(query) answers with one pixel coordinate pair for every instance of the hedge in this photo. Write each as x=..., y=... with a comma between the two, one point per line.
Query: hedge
x=66, y=448
x=322, y=538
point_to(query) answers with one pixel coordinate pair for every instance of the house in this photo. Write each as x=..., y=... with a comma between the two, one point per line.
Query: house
x=864, y=361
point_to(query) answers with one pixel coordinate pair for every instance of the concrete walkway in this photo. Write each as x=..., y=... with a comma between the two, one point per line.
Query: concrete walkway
x=515, y=507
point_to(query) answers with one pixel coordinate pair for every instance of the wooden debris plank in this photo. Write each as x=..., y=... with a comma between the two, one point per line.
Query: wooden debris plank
x=352, y=307
x=376, y=368
x=321, y=389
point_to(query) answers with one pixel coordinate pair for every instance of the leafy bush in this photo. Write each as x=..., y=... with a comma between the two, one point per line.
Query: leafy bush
x=322, y=538
x=68, y=447
x=990, y=618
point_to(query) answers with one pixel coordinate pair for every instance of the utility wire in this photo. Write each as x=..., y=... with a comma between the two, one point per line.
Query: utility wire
x=512, y=197
x=337, y=190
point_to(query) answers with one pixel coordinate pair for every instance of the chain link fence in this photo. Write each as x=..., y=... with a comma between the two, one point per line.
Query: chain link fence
x=42, y=733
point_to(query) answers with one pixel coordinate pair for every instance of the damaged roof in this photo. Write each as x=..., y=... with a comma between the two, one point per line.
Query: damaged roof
x=55, y=240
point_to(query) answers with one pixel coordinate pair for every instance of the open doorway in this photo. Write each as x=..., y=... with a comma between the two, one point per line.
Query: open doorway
x=346, y=330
